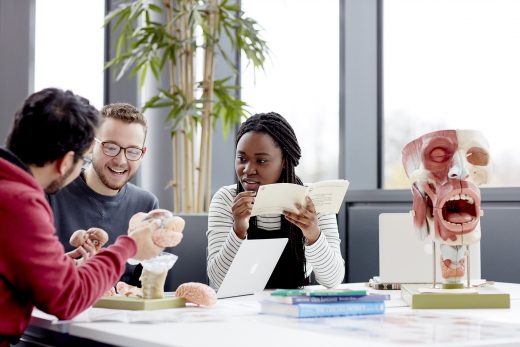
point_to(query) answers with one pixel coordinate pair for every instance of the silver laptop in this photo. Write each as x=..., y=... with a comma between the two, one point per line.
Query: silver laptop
x=405, y=258
x=252, y=266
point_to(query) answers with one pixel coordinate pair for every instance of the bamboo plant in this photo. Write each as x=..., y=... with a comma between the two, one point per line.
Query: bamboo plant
x=164, y=38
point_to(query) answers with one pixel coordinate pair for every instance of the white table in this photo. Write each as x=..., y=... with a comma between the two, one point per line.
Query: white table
x=236, y=322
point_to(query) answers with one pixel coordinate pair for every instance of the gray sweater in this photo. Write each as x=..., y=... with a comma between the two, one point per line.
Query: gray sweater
x=77, y=206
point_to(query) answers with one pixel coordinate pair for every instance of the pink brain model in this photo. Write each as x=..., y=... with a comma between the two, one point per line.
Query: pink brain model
x=197, y=293
x=128, y=290
x=98, y=237
x=194, y=292
x=169, y=234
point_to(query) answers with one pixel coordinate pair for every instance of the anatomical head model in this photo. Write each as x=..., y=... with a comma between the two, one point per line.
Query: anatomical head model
x=445, y=169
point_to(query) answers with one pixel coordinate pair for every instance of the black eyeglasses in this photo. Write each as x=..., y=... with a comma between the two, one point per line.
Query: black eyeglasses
x=112, y=150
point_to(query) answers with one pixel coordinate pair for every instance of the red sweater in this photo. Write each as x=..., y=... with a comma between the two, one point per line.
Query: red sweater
x=34, y=270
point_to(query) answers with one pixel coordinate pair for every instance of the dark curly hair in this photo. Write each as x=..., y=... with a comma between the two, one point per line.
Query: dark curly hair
x=49, y=124
x=282, y=133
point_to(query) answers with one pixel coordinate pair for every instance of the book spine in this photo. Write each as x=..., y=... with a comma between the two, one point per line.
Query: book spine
x=340, y=309
x=304, y=292
x=338, y=293
x=330, y=292
x=324, y=299
x=385, y=286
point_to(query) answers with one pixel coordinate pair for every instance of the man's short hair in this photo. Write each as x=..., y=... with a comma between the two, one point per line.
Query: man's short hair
x=51, y=123
x=124, y=112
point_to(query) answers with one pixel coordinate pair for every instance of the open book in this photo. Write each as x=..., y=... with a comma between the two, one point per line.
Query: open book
x=327, y=197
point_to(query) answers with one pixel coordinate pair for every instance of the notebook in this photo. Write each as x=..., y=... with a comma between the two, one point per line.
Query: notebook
x=252, y=266
x=405, y=258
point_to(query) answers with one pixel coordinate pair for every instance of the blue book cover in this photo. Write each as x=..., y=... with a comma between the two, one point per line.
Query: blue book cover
x=319, y=299
x=319, y=292
x=331, y=309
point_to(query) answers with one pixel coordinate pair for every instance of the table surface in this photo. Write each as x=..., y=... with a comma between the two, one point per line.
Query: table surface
x=237, y=322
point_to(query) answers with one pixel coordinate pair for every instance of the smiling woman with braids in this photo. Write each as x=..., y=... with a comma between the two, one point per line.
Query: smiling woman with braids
x=267, y=151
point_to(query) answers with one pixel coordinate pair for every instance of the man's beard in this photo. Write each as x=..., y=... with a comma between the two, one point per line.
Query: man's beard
x=102, y=177
x=59, y=182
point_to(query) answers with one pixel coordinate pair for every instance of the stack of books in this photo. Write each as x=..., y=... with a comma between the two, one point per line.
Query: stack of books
x=304, y=303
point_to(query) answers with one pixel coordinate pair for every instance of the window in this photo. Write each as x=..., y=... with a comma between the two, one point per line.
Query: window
x=69, y=47
x=301, y=77
x=452, y=64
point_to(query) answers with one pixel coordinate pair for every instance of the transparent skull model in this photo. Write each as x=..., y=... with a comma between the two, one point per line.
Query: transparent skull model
x=446, y=169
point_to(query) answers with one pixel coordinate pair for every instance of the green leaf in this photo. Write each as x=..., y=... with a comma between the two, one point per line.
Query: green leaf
x=154, y=70
x=120, y=13
x=147, y=17
x=142, y=76
x=155, y=8
x=152, y=100
x=124, y=68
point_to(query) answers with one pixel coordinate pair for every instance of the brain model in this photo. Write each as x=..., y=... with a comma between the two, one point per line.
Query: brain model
x=197, y=293
x=128, y=290
x=169, y=233
x=110, y=292
x=98, y=237
x=194, y=292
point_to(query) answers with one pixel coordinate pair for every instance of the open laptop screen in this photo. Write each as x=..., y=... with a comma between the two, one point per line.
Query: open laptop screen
x=252, y=266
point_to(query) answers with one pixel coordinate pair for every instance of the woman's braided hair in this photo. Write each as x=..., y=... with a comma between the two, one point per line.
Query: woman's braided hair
x=282, y=133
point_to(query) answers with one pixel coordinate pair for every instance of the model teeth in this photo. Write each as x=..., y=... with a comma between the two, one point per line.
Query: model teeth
x=465, y=197
x=459, y=209
x=460, y=223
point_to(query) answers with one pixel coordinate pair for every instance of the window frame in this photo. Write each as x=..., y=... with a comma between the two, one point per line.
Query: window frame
x=361, y=104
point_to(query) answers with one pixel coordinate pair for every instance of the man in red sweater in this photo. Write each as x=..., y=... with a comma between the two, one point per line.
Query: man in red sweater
x=50, y=140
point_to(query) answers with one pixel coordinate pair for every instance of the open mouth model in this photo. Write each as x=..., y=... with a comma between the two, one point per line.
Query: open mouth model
x=459, y=212
x=459, y=209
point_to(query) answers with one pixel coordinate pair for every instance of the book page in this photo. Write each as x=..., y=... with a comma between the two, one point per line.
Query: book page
x=277, y=197
x=328, y=196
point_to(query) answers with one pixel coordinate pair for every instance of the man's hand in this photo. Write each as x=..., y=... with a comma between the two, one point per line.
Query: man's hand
x=142, y=235
x=166, y=228
x=83, y=252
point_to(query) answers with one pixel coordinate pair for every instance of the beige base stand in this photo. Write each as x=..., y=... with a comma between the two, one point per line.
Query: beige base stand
x=482, y=297
x=131, y=303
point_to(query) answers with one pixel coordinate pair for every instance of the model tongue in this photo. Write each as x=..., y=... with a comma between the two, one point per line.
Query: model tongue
x=459, y=217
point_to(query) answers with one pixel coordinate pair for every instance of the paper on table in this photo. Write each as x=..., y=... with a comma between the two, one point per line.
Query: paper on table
x=327, y=197
x=192, y=313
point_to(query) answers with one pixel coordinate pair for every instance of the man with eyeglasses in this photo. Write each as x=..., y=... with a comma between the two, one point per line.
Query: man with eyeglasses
x=102, y=195
x=51, y=136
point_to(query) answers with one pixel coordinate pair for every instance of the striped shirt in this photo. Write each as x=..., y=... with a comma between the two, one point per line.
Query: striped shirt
x=323, y=257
